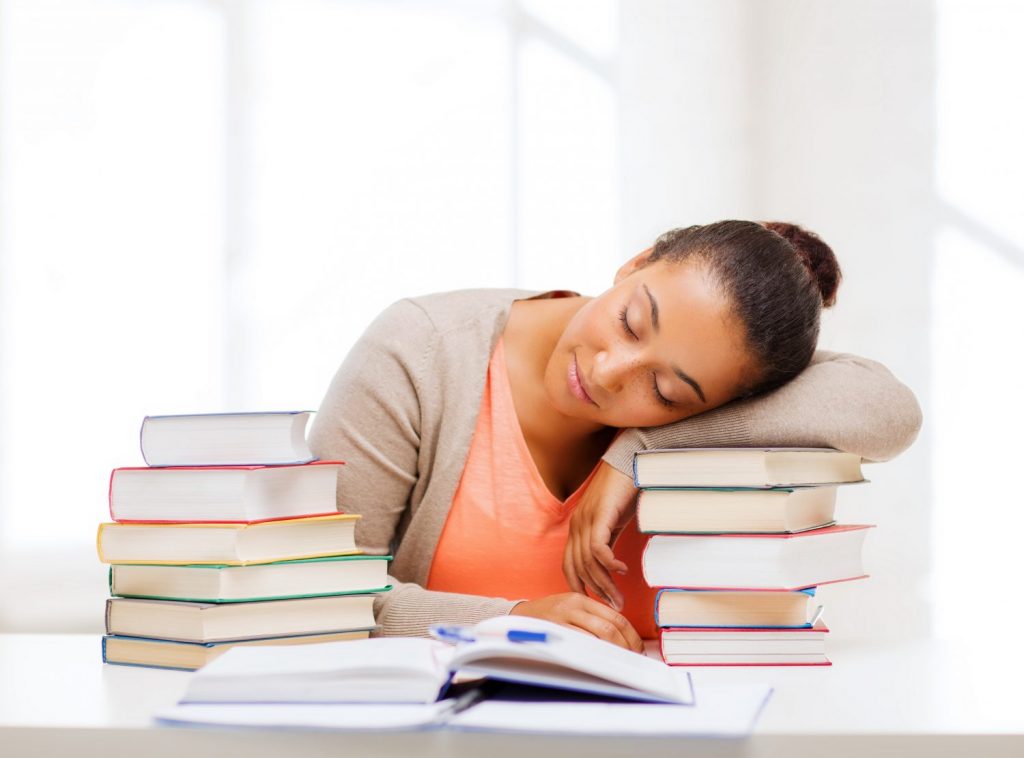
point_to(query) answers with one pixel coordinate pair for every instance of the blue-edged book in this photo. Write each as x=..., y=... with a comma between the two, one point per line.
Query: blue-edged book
x=765, y=609
x=189, y=656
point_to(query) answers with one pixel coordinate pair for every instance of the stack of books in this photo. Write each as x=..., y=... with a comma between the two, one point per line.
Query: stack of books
x=230, y=536
x=741, y=539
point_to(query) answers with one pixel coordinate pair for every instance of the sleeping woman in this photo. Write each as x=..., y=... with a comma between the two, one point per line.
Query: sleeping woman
x=489, y=434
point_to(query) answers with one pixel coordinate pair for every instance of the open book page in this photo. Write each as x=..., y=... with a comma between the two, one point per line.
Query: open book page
x=409, y=670
x=720, y=711
x=569, y=660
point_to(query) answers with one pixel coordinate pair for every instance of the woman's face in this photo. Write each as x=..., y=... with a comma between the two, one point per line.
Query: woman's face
x=659, y=346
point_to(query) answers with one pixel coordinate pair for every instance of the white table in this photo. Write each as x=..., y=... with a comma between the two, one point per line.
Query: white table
x=924, y=698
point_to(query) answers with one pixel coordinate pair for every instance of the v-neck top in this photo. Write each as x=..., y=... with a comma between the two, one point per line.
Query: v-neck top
x=506, y=532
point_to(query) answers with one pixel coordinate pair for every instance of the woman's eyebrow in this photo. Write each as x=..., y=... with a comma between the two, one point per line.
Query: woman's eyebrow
x=654, y=308
x=689, y=380
x=675, y=369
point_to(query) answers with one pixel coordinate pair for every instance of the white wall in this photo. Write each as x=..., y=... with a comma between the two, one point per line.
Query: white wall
x=685, y=128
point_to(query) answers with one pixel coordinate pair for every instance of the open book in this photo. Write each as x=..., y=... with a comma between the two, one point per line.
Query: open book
x=411, y=670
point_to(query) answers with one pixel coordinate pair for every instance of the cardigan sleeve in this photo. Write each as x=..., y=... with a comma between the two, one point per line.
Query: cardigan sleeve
x=840, y=401
x=370, y=419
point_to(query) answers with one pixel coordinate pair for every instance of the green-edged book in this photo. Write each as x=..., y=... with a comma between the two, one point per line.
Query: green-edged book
x=339, y=575
x=189, y=656
x=232, y=622
x=744, y=467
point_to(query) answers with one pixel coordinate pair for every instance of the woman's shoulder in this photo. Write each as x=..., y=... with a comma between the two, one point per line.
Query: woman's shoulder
x=458, y=309
x=439, y=304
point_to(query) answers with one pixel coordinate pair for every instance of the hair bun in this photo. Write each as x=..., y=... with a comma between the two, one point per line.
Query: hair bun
x=816, y=256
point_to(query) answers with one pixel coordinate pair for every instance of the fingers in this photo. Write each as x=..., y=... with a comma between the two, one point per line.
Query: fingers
x=592, y=546
x=569, y=558
x=604, y=555
x=606, y=624
x=598, y=579
x=585, y=559
x=583, y=613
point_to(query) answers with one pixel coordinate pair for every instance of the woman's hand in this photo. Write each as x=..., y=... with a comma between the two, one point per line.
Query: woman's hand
x=581, y=612
x=605, y=507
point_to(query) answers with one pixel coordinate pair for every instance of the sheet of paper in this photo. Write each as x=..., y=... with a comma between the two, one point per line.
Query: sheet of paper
x=346, y=716
x=719, y=711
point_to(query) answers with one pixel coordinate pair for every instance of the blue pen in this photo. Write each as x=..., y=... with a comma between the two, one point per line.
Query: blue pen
x=466, y=634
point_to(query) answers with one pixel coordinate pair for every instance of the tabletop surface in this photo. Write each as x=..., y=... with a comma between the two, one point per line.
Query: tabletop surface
x=924, y=688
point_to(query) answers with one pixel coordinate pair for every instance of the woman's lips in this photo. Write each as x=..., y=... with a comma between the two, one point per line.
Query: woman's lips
x=576, y=382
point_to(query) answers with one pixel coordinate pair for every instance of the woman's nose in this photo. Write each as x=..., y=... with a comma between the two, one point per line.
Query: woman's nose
x=610, y=370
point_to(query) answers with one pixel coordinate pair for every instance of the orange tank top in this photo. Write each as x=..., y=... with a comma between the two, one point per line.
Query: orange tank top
x=505, y=533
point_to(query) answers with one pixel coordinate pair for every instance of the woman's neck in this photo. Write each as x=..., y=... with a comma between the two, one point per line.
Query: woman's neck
x=531, y=334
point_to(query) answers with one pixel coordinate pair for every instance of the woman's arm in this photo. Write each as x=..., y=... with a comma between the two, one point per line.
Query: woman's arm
x=370, y=418
x=839, y=400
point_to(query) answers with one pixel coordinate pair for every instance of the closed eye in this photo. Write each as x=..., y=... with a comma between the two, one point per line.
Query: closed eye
x=625, y=324
x=661, y=398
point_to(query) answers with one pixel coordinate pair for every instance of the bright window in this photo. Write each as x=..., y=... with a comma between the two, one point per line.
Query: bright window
x=203, y=204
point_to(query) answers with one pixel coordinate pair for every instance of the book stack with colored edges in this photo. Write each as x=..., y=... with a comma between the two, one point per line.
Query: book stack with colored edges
x=230, y=536
x=741, y=540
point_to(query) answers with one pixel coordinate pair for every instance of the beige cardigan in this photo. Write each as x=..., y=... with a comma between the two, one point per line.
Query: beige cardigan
x=402, y=408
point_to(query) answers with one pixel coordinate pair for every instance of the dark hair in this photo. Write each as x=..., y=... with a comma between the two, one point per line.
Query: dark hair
x=777, y=276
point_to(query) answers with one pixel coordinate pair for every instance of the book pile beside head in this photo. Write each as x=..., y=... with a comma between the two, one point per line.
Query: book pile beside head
x=741, y=539
x=230, y=536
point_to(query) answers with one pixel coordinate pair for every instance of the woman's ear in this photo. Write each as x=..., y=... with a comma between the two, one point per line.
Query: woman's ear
x=637, y=261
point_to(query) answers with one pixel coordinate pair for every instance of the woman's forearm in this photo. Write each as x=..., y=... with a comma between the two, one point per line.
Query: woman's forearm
x=840, y=400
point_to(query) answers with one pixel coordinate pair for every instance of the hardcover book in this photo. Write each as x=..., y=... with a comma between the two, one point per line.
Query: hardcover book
x=231, y=622
x=223, y=493
x=227, y=544
x=189, y=656
x=226, y=439
x=755, y=561
x=794, y=509
x=745, y=647
x=734, y=608
x=744, y=467
x=344, y=575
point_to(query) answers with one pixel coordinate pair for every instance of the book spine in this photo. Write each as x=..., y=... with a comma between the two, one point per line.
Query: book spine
x=657, y=604
x=106, y=615
x=142, y=448
x=694, y=588
x=110, y=494
x=691, y=664
x=231, y=521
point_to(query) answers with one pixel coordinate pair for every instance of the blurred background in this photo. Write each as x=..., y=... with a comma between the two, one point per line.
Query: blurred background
x=204, y=202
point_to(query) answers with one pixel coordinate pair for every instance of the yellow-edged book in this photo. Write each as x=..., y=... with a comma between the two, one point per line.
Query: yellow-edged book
x=227, y=544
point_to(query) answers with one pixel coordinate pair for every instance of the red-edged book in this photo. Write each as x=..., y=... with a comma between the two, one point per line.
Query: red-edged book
x=697, y=646
x=223, y=494
x=755, y=561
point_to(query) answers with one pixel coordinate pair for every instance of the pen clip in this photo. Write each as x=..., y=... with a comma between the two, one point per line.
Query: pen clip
x=450, y=633
x=817, y=615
